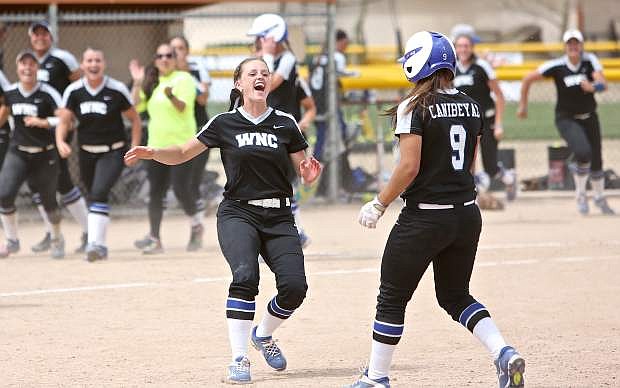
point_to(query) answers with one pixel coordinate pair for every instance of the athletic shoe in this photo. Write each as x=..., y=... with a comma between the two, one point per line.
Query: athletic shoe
x=270, y=350
x=57, y=247
x=195, y=238
x=11, y=246
x=143, y=242
x=510, y=368
x=43, y=245
x=602, y=204
x=239, y=371
x=83, y=244
x=96, y=252
x=582, y=204
x=304, y=239
x=154, y=247
x=366, y=382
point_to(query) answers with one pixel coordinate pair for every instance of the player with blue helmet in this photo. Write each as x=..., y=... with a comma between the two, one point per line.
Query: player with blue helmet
x=439, y=130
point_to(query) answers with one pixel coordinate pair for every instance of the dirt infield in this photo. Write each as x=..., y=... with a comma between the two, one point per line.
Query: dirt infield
x=548, y=276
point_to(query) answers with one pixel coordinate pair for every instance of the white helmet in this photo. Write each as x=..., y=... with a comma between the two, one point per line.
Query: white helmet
x=269, y=25
x=425, y=53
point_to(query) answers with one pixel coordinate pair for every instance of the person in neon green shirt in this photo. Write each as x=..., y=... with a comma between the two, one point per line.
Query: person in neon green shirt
x=168, y=97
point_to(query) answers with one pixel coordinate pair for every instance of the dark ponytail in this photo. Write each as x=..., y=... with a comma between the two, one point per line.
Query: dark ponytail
x=151, y=80
x=236, y=97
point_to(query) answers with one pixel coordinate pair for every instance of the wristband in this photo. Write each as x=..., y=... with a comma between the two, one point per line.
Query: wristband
x=53, y=121
x=599, y=87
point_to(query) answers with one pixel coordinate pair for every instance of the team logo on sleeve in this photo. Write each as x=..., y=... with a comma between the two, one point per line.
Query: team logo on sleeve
x=257, y=139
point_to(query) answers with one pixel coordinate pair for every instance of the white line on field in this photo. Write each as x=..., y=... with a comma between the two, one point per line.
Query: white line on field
x=574, y=259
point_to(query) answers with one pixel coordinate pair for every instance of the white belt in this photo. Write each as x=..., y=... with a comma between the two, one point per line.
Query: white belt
x=432, y=206
x=582, y=116
x=101, y=148
x=35, y=150
x=268, y=202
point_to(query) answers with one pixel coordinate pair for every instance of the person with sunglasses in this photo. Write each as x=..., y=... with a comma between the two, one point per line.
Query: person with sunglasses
x=169, y=101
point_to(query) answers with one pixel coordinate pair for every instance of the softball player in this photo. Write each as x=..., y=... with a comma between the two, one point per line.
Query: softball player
x=203, y=81
x=438, y=129
x=31, y=154
x=577, y=76
x=99, y=103
x=257, y=144
x=271, y=44
x=58, y=68
x=5, y=129
x=476, y=78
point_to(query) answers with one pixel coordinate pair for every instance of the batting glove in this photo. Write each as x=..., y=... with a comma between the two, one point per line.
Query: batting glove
x=370, y=213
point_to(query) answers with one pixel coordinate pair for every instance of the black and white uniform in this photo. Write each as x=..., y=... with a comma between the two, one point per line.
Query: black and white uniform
x=575, y=110
x=302, y=91
x=283, y=97
x=255, y=215
x=440, y=222
x=55, y=67
x=5, y=129
x=32, y=155
x=101, y=135
x=474, y=81
x=201, y=75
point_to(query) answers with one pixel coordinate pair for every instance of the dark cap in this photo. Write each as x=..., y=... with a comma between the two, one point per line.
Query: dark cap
x=24, y=54
x=340, y=34
x=42, y=23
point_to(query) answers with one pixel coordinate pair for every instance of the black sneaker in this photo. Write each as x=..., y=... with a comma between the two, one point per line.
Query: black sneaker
x=83, y=243
x=43, y=245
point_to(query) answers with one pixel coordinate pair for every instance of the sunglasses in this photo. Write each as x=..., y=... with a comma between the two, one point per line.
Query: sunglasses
x=167, y=55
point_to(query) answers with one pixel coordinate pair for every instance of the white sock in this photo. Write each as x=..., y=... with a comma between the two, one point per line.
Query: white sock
x=9, y=223
x=197, y=218
x=268, y=325
x=79, y=211
x=581, y=183
x=46, y=219
x=97, y=228
x=486, y=331
x=239, y=335
x=380, y=360
x=598, y=186
x=55, y=232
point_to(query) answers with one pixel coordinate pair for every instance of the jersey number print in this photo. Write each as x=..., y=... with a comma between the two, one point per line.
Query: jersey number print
x=457, y=141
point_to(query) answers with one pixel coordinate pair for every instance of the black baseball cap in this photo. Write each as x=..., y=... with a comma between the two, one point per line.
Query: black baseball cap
x=41, y=23
x=24, y=54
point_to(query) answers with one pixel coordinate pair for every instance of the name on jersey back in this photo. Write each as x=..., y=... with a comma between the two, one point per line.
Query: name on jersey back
x=454, y=109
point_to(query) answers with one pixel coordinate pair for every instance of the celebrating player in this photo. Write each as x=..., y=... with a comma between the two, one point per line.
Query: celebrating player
x=99, y=103
x=438, y=129
x=257, y=144
x=58, y=68
x=476, y=78
x=31, y=155
x=577, y=76
x=169, y=101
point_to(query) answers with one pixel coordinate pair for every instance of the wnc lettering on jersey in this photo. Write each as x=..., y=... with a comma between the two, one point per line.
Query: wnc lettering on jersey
x=574, y=80
x=454, y=109
x=463, y=80
x=43, y=75
x=93, y=107
x=258, y=139
x=23, y=109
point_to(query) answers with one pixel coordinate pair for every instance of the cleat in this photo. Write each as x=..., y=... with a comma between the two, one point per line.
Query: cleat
x=270, y=350
x=304, y=239
x=582, y=204
x=11, y=246
x=57, y=248
x=366, y=382
x=143, y=242
x=195, y=239
x=83, y=244
x=154, y=247
x=239, y=371
x=510, y=368
x=43, y=245
x=96, y=252
x=602, y=204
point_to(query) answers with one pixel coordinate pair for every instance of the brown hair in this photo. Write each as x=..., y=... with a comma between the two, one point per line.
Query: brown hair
x=424, y=93
x=236, y=97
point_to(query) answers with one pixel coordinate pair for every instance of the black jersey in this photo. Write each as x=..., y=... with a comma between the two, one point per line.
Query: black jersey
x=5, y=129
x=318, y=85
x=283, y=97
x=449, y=128
x=302, y=91
x=99, y=111
x=42, y=101
x=572, y=100
x=255, y=152
x=474, y=81
x=55, y=67
x=200, y=75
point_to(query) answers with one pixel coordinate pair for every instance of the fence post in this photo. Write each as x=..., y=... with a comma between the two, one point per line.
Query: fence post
x=52, y=15
x=332, y=106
